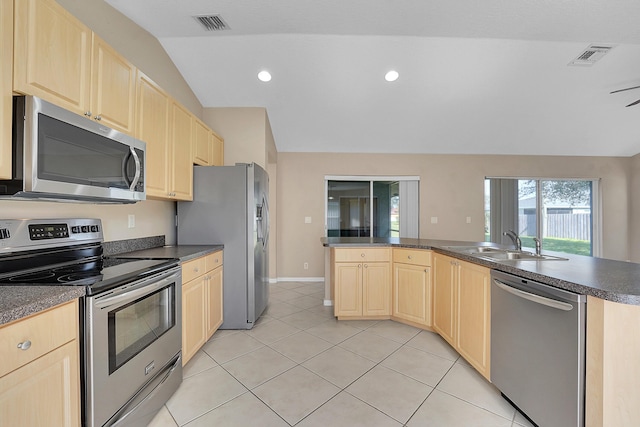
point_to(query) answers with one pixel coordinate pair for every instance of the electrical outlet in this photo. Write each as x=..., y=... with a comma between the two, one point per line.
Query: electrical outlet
x=306, y=265
x=132, y=221
x=307, y=220
x=468, y=220
x=434, y=220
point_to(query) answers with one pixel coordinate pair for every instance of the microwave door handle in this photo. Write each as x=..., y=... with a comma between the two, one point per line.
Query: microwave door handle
x=136, y=177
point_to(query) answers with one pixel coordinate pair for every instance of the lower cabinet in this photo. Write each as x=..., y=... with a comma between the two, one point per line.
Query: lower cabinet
x=201, y=302
x=412, y=286
x=362, y=285
x=462, y=309
x=40, y=379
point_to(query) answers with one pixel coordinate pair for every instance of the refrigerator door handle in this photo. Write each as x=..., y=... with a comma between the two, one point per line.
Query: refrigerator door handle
x=262, y=216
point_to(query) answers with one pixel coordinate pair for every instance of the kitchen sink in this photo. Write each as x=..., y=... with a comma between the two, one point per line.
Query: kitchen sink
x=497, y=254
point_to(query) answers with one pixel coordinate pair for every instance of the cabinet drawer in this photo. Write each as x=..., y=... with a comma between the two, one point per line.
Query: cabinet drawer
x=362, y=254
x=213, y=260
x=412, y=256
x=192, y=269
x=46, y=331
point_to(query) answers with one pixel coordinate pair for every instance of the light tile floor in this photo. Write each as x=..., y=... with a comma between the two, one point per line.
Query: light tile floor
x=299, y=366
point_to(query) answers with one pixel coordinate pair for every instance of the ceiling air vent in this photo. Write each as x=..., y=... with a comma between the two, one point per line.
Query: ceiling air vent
x=212, y=22
x=591, y=55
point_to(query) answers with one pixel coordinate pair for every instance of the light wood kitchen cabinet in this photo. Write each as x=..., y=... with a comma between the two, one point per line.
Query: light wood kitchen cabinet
x=113, y=88
x=152, y=126
x=59, y=59
x=445, y=274
x=52, y=54
x=362, y=285
x=412, y=286
x=461, y=309
x=202, y=302
x=40, y=381
x=180, y=157
x=473, y=316
x=6, y=71
x=202, y=143
x=217, y=150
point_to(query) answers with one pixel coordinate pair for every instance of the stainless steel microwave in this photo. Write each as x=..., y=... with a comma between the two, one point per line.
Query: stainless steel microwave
x=62, y=156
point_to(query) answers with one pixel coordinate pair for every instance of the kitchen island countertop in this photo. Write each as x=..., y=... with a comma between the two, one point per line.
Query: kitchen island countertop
x=611, y=280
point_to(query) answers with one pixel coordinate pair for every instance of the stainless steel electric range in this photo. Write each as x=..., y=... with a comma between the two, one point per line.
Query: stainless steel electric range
x=131, y=316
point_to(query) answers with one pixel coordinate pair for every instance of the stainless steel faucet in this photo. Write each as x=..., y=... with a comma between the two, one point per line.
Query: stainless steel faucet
x=538, y=246
x=514, y=238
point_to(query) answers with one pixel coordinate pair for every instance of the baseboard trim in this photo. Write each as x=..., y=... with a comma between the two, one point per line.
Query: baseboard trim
x=297, y=279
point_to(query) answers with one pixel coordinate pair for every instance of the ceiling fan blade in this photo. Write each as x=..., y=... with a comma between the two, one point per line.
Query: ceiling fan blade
x=622, y=90
x=633, y=103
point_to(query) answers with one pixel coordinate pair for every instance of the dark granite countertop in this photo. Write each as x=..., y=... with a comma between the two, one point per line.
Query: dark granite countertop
x=182, y=252
x=611, y=280
x=17, y=302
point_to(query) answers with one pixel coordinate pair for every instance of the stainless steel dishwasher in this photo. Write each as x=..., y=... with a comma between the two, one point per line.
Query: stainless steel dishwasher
x=538, y=349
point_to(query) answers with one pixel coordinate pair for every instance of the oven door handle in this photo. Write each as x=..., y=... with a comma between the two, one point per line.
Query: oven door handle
x=141, y=290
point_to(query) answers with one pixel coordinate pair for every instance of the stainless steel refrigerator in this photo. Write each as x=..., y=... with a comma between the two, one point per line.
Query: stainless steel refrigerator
x=231, y=207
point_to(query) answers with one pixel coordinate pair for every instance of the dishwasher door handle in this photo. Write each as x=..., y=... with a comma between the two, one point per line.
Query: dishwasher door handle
x=533, y=297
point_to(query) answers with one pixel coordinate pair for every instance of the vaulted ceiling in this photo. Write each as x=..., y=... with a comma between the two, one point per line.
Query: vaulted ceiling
x=476, y=77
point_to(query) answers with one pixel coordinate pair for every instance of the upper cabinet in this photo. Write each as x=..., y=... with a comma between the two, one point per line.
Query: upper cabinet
x=59, y=59
x=52, y=54
x=6, y=54
x=208, y=147
x=152, y=126
x=180, y=157
x=113, y=87
x=217, y=150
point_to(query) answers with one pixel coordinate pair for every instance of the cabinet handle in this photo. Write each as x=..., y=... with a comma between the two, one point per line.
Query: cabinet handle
x=25, y=345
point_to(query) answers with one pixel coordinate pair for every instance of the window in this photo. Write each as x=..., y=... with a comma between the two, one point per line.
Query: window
x=372, y=207
x=562, y=213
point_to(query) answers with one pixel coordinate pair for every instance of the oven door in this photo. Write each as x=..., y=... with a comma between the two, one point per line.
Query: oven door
x=132, y=342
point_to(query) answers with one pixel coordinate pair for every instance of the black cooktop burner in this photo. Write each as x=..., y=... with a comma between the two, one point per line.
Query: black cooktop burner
x=97, y=274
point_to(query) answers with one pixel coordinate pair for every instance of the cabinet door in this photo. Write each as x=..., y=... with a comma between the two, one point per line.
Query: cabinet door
x=152, y=124
x=215, y=301
x=217, y=150
x=113, y=87
x=444, y=276
x=43, y=392
x=52, y=54
x=194, y=329
x=412, y=293
x=376, y=289
x=473, y=328
x=182, y=161
x=201, y=143
x=348, y=289
x=6, y=106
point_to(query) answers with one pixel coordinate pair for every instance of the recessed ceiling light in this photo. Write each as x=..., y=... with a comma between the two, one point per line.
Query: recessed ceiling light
x=264, y=76
x=391, y=76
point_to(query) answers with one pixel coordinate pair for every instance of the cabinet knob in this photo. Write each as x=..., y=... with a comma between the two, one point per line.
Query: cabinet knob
x=98, y=118
x=409, y=257
x=362, y=255
x=87, y=113
x=366, y=266
x=196, y=269
x=25, y=345
x=359, y=265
